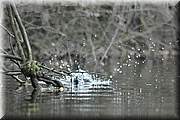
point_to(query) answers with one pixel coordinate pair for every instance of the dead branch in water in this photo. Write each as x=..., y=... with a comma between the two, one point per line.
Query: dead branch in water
x=23, y=31
x=26, y=65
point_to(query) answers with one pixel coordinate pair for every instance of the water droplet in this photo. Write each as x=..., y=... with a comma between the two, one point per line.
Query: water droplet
x=157, y=109
x=140, y=90
x=102, y=64
x=140, y=75
x=149, y=84
x=84, y=44
x=110, y=76
x=124, y=64
x=69, y=69
x=152, y=50
x=53, y=44
x=56, y=63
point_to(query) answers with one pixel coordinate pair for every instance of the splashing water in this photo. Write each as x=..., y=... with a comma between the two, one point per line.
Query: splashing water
x=83, y=81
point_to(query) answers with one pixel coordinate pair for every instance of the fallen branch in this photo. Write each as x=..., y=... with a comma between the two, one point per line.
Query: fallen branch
x=18, y=79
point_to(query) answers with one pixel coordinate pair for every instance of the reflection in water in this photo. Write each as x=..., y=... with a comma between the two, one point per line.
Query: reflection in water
x=144, y=89
x=34, y=95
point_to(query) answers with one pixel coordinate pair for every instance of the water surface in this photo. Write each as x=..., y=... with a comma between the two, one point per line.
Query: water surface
x=139, y=89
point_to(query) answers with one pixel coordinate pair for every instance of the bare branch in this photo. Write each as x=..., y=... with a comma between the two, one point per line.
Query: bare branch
x=16, y=35
x=23, y=31
x=61, y=73
x=7, y=31
x=11, y=57
x=112, y=41
x=18, y=79
x=12, y=72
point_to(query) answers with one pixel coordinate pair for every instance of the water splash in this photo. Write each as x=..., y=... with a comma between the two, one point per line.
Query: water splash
x=83, y=81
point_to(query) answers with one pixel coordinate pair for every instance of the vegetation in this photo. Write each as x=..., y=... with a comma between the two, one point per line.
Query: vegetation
x=92, y=37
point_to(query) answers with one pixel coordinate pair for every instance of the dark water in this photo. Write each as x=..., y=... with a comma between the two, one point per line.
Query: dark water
x=144, y=89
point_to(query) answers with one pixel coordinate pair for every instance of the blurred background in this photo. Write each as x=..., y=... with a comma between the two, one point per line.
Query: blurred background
x=133, y=43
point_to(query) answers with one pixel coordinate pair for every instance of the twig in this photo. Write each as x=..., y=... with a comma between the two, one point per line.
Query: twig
x=92, y=46
x=23, y=31
x=112, y=41
x=11, y=46
x=42, y=66
x=11, y=57
x=61, y=73
x=143, y=34
x=12, y=72
x=16, y=62
x=46, y=81
x=49, y=80
x=69, y=54
x=7, y=31
x=18, y=79
x=88, y=37
x=46, y=28
x=20, y=38
x=16, y=35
